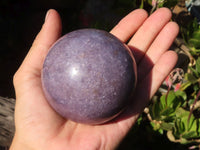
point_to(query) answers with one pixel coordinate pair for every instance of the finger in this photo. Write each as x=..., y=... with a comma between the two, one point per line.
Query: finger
x=28, y=75
x=31, y=105
x=148, y=87
x=163, y=41
x=148, y=32
x=49, y=33
x=129, y=24
x=160, y=71
x=161, y=44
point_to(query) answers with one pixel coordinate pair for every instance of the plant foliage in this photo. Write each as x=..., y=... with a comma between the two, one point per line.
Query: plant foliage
x=177, y=111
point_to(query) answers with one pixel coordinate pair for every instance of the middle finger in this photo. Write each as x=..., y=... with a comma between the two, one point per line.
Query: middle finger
x=146, y=34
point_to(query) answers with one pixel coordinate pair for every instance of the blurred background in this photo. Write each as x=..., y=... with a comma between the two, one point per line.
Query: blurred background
x=21, y=20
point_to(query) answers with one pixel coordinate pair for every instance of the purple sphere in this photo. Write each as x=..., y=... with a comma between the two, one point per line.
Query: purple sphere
x=88, y=76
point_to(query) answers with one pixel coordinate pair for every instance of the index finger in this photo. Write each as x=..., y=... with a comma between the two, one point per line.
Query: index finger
x=129, y=24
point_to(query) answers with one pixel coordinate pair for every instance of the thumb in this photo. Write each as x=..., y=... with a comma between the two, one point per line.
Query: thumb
x=30, y=100
x=33, y=62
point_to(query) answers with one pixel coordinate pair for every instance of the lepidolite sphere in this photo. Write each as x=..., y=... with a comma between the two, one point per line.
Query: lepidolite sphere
x=88, y=76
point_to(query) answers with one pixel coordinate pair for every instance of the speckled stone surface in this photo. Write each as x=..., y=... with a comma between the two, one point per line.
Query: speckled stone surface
x=88, y=76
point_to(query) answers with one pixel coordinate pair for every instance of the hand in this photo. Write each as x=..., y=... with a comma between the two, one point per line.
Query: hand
x=39, y=127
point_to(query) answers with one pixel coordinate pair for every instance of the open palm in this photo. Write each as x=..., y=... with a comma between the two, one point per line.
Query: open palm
x=39, y=127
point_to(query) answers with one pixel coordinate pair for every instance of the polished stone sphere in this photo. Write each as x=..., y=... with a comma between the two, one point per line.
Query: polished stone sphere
x=89, y=76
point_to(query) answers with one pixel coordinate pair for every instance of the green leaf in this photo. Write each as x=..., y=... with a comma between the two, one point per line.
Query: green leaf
x=170, y=98
x=180, y=127
x=198, y=64
x=185, y=85
x=156, y=126
x=181, y=97
x=189, y=135
x=180, y=112
x=191, y=78
x=191, y=101
x=183, y=114
x=167, y=111
x=194, y=51
x=162, y=101
x=181, y=94
x=196, y=87
x=161, y=131
x=174, y=101
x=194, y=71
x=169, y=118
x=155, y=111
x=198, y=126
x=196, y=34
x=167, y=126
x=192, y=123
x=139, y=120
x=194, y=42
x=149, y=2
x=142, y=4
x=177, y=103
x=184, y=141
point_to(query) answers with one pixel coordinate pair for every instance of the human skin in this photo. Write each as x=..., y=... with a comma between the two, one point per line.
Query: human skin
x=39, y=127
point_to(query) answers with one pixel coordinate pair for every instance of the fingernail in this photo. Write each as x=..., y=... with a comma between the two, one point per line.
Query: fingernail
x=47, y=15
